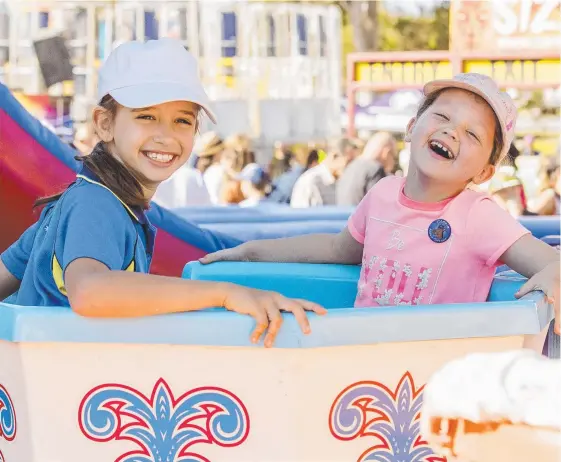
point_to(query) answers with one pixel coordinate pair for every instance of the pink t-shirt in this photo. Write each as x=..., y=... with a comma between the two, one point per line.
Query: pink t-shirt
x=425, y=253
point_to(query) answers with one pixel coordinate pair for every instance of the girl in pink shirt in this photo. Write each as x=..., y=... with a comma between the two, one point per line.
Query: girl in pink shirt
x=428, y=238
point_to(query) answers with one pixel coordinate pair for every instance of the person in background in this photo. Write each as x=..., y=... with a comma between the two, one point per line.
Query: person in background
x=235, y=156
x=312, y=160
x=547, y=202
x=186, y=187
x=351, y=147
x=208, y=148
x=507, y=190
x=85, y=139
x=508, y=172
x=221, y=169
x=255, y=185
x=513, y=154
x=241, y=145
x=283, y=184
x=376, y=161
x=528, y=148
x=316, y=186
x=281, y=161
x=231, y=193
x=403, y=159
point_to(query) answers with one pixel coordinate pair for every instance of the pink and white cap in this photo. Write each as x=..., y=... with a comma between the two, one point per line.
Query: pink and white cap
x=487, y=88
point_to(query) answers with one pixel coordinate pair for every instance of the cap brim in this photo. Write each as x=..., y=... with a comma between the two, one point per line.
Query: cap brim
x=436, y=85
x=151, y=94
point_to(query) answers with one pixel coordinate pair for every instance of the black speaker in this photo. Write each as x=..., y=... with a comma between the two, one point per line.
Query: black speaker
x=54, y=60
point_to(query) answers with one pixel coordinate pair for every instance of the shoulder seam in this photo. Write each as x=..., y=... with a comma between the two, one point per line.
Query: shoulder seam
x=81, y=184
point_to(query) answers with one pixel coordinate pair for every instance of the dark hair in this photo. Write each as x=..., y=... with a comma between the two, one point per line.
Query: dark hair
x=111, y=173
x=280, y=163
x=203, y=163
x=498, y=141
x=264, y=185
x=313, y=156
x=511, y=156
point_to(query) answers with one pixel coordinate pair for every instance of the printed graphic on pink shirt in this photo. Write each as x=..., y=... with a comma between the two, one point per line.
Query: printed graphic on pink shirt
x=401, y=265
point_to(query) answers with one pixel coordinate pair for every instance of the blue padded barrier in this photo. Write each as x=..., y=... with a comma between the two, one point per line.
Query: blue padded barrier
x=235, y=214
x=334, y=286
x=542, y=226
x=552, y=240
x=272, y=230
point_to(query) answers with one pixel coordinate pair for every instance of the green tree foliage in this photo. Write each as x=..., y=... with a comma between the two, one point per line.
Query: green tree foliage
x=407, y=33
x=368, y=26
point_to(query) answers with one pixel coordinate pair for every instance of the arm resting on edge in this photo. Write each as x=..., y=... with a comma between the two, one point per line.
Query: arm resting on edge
x=94, y=290
x=339, y=248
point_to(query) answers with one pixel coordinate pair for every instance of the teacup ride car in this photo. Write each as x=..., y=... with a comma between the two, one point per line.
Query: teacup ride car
x=192, y=387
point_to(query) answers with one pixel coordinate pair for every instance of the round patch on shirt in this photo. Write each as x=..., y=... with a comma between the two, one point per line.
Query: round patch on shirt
x=440, y=231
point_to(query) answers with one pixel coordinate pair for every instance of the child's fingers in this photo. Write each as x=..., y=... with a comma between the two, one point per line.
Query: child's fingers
x=221, y=255
x=298, y=310
x=555, y=302
x=551, y=298
x=311, y=306
x=528, y=287
x=275, y=321
x=262, y=322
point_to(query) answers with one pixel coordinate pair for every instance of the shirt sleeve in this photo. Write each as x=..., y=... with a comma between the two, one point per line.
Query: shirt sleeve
x=357, y=221
x=315, y=198
x=16, y=256
x=492, y=230
x=300, y=195
x=93, y=224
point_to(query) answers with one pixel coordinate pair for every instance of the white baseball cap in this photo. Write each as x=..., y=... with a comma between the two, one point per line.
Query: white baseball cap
x=143, y=74
x=487, y=88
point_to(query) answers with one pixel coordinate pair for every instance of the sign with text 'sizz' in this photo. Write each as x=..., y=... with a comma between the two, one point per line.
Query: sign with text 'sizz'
x=505, y=25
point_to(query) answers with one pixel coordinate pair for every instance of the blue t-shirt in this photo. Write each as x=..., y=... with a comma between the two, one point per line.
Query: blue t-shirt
x=88, y=221
x=284, y=185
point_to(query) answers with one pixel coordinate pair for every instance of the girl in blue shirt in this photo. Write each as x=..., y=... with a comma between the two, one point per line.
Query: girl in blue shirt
x=92, y=245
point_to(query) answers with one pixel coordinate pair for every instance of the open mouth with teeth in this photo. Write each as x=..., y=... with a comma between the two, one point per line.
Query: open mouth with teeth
x=163, y=159
x=441, y=150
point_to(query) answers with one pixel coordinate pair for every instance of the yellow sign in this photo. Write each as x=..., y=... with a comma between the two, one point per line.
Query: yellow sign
x=403, y=73
x=513, y=73
x=526, y=72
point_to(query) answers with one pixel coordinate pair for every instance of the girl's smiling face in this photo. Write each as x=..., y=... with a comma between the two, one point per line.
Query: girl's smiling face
x=452, y=141
x=152, y=142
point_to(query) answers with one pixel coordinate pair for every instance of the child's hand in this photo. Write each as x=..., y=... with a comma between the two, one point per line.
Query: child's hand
x=547, y=280
x=265, y=307
x=238, y=253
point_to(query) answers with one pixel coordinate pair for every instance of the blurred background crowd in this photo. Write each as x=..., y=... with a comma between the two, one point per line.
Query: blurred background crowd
x=313, y=97
x=340, y=172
